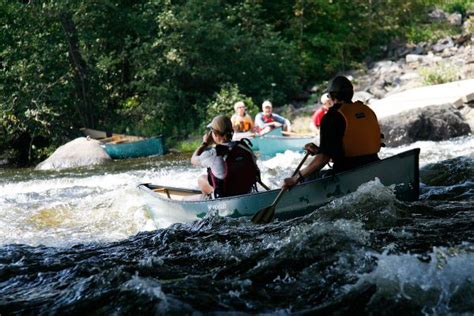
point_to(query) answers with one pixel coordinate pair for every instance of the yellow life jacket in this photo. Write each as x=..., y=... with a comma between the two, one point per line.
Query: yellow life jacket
x=362, y=134
x=243, y=124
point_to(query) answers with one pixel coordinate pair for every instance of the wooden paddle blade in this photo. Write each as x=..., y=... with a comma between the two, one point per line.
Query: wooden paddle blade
x=264, y=216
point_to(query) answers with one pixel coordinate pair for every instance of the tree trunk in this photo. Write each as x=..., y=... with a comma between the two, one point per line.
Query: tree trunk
x=85, y=109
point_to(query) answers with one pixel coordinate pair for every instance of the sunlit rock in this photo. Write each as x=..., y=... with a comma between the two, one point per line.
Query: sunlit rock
x=77, y=153
x=434, y=123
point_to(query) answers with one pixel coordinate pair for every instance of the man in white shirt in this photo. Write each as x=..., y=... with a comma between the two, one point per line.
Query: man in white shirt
x=267, y=120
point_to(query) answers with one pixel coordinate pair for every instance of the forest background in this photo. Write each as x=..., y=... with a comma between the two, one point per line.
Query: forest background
x=166, y=67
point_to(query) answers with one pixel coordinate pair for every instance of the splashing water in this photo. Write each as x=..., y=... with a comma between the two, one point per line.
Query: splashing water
x=74, y=238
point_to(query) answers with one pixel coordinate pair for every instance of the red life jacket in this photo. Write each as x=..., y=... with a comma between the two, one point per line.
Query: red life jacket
x=268, y=119
x=241, y=171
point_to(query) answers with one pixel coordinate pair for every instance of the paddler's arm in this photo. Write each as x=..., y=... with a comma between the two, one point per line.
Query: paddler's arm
x=207, y=140
x=319, y=161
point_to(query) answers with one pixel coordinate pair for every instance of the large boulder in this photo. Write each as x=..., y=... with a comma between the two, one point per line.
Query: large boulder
x=434, y=123
x=77, y=153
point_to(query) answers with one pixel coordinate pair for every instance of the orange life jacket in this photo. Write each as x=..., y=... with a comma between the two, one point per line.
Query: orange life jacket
x=245, y=124
x=362, y=133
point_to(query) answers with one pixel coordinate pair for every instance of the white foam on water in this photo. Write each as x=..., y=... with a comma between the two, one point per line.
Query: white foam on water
x=69, y=208
x=431, y=151
x=442, y=282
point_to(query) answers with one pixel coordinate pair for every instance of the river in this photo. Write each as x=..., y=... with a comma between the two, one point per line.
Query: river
x=82, y=241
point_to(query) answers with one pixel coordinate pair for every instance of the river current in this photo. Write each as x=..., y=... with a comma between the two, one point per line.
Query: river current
x=82, y=241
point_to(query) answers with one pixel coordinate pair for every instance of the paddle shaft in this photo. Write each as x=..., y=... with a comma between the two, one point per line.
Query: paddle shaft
x=266, y=215
x=277, y=199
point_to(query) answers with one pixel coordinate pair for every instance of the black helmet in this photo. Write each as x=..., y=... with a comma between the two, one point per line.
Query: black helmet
x=341, y=88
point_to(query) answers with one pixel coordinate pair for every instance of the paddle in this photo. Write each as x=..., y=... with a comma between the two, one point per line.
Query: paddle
x=266, y=214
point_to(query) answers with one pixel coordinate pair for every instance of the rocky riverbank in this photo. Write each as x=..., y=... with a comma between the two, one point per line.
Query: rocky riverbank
x=422, y=91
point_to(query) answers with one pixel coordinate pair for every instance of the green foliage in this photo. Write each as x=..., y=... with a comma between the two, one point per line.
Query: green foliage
x=429, y=32
x=460, y=6
x=187, y=146
x=441, y=73
x=165, y=67
x=224, y=100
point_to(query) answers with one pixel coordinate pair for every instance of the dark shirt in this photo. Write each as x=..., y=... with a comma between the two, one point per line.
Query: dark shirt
x=333, y=126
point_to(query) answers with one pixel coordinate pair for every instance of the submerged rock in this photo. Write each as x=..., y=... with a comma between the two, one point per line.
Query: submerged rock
x=77, y=153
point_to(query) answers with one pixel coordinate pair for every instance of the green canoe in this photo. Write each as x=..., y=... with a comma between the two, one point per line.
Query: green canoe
x=275, y=142
x=400, y=170
x=134, y=148
x=121, y=146
x=270, y=145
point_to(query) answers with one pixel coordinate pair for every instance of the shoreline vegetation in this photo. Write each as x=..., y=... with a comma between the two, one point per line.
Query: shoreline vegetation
x=151, y=68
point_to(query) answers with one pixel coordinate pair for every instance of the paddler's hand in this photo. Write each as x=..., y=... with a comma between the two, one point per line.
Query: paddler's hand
x=207, y=139
x=288, y=183
x=311, y=148
x=276, y=124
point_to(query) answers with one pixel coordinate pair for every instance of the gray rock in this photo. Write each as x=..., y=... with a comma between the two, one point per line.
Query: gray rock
x=411, y=76
x=468, y=26
x=443, y=44
x=362, y=96
x=455, y=19
x=378, y=92
x=77, y=153
x=413, y=58
x=438, y=15
x=419, y=49
x=434, y=123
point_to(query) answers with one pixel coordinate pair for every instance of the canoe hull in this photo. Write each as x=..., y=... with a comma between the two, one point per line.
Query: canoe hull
x=152, y=146
x=269, y=146
x=401, y=170
x=274, y=142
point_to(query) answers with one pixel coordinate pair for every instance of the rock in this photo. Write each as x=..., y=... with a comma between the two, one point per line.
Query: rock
x=443, y=44
x=77, y=153
x=456, y=93
x=411, y=76
x=377, y=92
x=362, y=96
x=413, y=58
x=461, y=39
x=468, y=26
x=455, y=19
x=438, y=15
x=434, y=123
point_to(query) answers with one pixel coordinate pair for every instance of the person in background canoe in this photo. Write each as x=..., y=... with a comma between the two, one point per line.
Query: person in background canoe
x=241, y=120
x=266, y=120
x=231, y=165
x=319, y=113
x=349, y=135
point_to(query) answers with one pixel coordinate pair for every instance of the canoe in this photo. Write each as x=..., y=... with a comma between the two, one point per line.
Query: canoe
x=270, y=145
x=120, y=146
x=401, y=170
x=134, y=148
x=254, y=138
x=275, y=142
